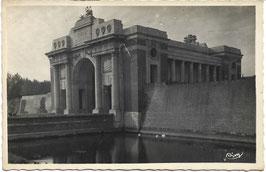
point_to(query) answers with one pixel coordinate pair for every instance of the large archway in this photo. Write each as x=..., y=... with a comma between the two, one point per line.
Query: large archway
x=83, y=86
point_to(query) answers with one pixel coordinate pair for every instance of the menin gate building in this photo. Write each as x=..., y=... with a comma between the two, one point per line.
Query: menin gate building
x=101, y=67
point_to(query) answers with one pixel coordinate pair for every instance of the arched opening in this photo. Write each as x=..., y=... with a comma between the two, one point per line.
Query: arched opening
x=84, y=87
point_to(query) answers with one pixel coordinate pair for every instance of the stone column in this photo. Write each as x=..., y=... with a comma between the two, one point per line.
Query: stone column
x=173, y=71
x=214, y=74
x=52, y=86
x=56, y=90
x=236, y=73
x=199, y=72
x=115, y=83
x=98, y=86
x=68, y=90
x=182, y=79
x=220, y=73
x=191, y=73
x=207, y=73
x=230, y=72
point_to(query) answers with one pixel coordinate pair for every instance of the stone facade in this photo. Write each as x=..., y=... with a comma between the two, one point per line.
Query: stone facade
x=102, y=68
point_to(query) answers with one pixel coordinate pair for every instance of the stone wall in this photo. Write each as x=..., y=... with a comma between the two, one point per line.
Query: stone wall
x=131, y=121
x=226, y=107
x=36, y=125
x=35, y=104
x=131, y=81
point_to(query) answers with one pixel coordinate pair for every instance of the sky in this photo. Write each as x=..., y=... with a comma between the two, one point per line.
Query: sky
x=31, y=30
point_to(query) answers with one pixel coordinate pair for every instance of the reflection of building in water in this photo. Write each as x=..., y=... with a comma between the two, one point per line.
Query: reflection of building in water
x=128, y=148
x=101, y=67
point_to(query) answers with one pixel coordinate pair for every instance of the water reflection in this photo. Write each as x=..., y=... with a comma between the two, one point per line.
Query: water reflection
x=124, y=148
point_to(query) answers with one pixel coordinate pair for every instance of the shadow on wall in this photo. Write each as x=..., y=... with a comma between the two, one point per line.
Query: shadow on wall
x=148, y=94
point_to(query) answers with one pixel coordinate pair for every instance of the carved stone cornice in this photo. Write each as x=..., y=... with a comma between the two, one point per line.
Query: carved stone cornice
x=60, y=51
x=104, y=38
x=58, y=60
x=59, y=63
x=105, y=52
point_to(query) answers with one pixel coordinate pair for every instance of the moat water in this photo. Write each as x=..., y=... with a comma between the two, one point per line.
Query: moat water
x=127, y=148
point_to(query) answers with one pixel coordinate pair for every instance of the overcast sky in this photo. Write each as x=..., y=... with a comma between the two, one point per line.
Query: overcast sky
x=32, y=29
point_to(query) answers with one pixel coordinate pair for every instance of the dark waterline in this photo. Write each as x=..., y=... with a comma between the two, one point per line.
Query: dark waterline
x=125, y=148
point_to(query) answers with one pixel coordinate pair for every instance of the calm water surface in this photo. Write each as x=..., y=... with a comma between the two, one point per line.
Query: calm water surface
x=125, y=148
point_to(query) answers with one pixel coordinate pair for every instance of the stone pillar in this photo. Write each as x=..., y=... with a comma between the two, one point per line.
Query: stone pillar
x=230, y=72
x=173, y=71
x=220, y=76
x=207, y=73
x=182, y=79
x=199, y=72
x=56, y=90
x=52, y=86
x=236, y=73
x=98, y=86
x=115, y=83
x=68, y=90
x=214, y=74
x=191, y=73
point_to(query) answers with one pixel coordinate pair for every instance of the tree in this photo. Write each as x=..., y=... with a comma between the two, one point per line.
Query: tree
x=18, y=86
x=13, y=86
